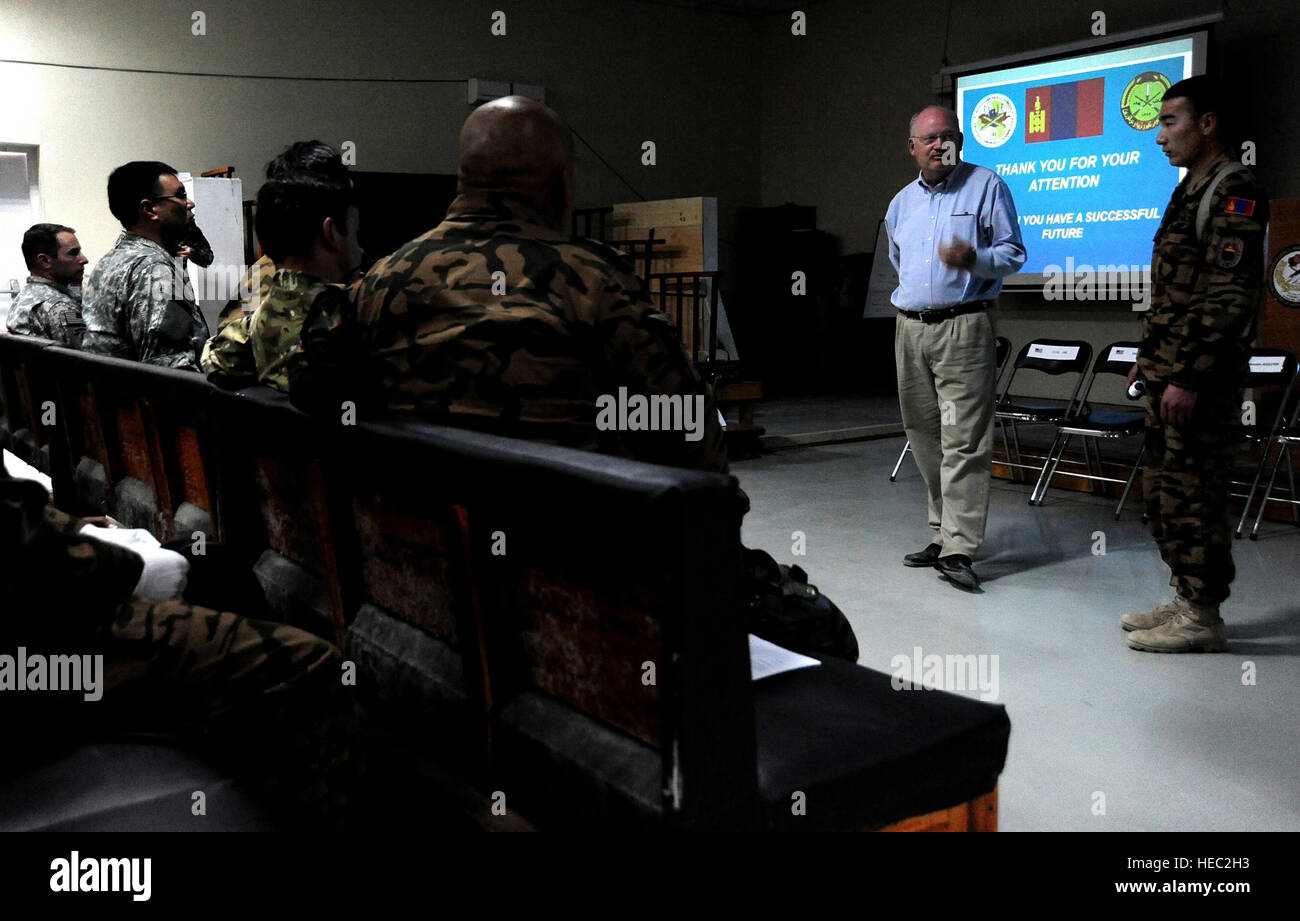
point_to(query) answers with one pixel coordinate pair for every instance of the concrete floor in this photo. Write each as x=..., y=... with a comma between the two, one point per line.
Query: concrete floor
x=1103, y=738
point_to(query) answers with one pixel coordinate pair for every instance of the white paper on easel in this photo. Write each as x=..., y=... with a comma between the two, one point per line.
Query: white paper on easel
x=768, y=659
x=883, y=281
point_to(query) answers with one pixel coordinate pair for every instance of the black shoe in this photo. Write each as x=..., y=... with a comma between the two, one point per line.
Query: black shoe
x=927, y=557
x=958, y=569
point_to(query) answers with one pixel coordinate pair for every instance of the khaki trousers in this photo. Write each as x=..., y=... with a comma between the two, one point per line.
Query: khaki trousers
x=946, y=375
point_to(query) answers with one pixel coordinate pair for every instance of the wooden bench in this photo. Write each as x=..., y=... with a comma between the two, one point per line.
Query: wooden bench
x=563, y=629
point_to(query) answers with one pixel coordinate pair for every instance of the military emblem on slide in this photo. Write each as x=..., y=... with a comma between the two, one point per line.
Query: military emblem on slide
x=1285, y=276
x=1140, y=102
x=994, y=120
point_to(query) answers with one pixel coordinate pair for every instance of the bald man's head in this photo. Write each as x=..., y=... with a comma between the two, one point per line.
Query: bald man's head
x=518, y=146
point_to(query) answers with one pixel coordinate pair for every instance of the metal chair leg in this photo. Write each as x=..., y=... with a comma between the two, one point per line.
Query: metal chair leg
x=1290, y=469
x=1268, y=491
x=1096, y=458
x=907, y=446
x=1050, y=465
x=1254, y=487
x=1131, y=478
x=1015, y=439
x=1006, y=447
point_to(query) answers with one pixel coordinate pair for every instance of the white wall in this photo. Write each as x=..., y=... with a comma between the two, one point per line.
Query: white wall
x=620, y=73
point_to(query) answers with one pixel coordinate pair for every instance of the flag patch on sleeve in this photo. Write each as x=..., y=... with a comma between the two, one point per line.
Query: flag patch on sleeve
x=1244, y=206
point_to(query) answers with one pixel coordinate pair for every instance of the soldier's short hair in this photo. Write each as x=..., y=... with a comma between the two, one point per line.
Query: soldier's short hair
x=307, y=156
x=1204, y=94
x=1201, y=92
x=130, y=183
x=291, y=209
x=42, y=239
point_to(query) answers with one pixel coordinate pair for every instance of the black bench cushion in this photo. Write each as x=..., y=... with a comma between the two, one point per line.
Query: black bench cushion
x=854, y=746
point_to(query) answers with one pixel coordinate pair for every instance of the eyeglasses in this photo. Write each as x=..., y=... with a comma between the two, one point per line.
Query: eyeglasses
x=181, y=199
x=928, y=139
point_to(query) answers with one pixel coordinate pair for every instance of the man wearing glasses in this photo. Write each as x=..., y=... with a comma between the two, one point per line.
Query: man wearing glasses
x=953, y=236
x=138, y=304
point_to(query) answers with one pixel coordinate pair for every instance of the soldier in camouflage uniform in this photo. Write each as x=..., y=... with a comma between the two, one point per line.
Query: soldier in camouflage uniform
x=497, y=320
x=308, y=224
x=301, y=156
x=139, y=304
x=264, y=700
x=46, y=307
x=256, y=282
x=1205, y=293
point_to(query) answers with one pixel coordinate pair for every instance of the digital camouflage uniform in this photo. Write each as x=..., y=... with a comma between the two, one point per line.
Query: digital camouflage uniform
x=1204, y=296
x=425, y=331
x=132, y=309
x=47, y=310
x=264, y=700
x=256, y=347
x=256, y=281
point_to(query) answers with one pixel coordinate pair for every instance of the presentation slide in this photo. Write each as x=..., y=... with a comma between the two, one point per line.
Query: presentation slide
x=1075, y=141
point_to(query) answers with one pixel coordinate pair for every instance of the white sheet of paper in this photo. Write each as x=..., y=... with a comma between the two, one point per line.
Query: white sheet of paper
x=768, y=659
x=1119, y=353
x=19, y=469
x=166, y=572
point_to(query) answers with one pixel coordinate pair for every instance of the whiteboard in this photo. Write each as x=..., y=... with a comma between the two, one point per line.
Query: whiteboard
x=219, y=212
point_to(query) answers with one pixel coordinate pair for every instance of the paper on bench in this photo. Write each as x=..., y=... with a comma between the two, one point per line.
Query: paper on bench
x=166, y=572
x=19, y=469
x=767, y=659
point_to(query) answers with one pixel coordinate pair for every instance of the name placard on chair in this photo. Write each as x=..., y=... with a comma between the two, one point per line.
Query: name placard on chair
x=1267, y=364
x=1054, y=352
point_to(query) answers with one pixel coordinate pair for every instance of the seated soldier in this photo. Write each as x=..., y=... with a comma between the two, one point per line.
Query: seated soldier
x=265, y=701
x=308, y=224
x=139, y=304
x=497, y=320
x=48, y=307
x=308, y=156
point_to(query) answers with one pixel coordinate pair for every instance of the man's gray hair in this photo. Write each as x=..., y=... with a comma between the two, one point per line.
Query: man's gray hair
x=952, y=117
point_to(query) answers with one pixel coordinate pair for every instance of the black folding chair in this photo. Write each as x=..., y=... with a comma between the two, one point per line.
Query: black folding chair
x=1003, y=345
x=1046, y=356
x=1272, y=369
x=1088, y=424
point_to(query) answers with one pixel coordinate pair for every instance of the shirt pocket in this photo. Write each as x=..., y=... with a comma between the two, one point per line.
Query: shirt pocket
x=960, y=226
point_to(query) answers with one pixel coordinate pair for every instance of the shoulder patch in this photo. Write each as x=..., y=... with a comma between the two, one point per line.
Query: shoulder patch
x=1230, y=251
x=1233, y=205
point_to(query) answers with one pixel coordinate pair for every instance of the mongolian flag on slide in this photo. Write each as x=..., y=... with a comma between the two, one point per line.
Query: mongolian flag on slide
x=1064, y=110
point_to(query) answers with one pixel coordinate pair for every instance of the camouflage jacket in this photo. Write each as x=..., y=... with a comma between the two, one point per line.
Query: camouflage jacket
x=139, y=305
x=48, y=310
x=256, y=281
x=1205, y=293
x=256, y=348
x=494, y=321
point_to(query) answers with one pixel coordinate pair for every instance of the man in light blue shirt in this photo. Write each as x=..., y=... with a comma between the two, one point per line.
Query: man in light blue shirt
x=953, y=235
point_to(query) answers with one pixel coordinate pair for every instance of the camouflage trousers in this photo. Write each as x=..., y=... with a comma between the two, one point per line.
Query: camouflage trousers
x=1185, y=484
x=264, y=701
